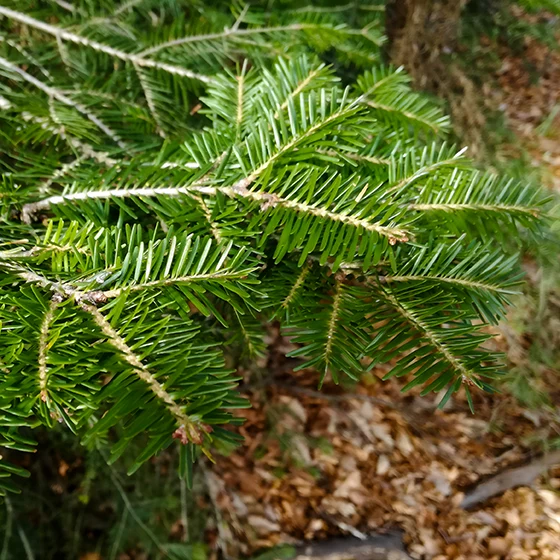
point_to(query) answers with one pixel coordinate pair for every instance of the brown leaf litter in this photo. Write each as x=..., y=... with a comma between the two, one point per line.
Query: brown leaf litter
x=312, y=467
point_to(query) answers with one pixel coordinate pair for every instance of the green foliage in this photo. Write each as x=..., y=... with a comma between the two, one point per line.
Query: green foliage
x=141, y=236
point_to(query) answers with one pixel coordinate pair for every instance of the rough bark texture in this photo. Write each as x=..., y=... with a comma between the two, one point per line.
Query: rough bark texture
x=419, y=32
x=422, y=35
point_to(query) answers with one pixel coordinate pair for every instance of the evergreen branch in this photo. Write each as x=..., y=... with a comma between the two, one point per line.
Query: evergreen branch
x=62, y=34
x=333, y=321
x=65, y=290
x=85, y=151
x=297, y=90
x=357, y=157
x=408, y=114
x=43, y=348
x=232, y=32
x=235, y=32
x=310, y=185
x=268, y=200
x=27, y=55
x=61, y=172
x=221, y=276
x=190, y=426
x=53, y=93
x=411, y=317
x=425, y=171
x=120, y=10
x=371, y=82
x=148, y=94
x=214, y=228
x=463, y=282
x=296, y=286
x=475, y=207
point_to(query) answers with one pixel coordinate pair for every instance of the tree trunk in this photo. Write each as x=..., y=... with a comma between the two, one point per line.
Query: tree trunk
x=419, y=32
x=422, y=33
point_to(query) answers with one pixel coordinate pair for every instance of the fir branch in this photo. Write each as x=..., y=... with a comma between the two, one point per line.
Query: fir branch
x=139, y=60
x=27, y=55
x=53, y=93
x=298, y=89
x=224, y=275
x=296, y=286
x=310, y=185
x=408, y=114
x=425, y=171
x=149, y=95
x=191, y=427
x=268, y=200
x=61, y=172
x=235, y=32
x=333, y=321
x=84, y=150
x=463, y=282
x=240, y=189
x=411, y=317
x=357, y=157
x=476, y=207
x=43, y=348
x=214, y=228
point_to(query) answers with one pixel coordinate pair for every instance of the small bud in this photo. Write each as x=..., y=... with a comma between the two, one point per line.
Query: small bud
x=97, y=298
x=57, y=297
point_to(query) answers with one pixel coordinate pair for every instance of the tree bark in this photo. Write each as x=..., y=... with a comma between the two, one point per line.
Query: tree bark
x=419, y=32
x=422, y=34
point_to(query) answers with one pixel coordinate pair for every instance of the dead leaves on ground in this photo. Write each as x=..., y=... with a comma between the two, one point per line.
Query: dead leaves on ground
x=313, y=467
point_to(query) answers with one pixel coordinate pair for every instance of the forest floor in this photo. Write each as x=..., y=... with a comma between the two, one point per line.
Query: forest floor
x=370, y=459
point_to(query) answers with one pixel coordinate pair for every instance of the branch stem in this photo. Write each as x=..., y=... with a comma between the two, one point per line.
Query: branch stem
x=65, y=35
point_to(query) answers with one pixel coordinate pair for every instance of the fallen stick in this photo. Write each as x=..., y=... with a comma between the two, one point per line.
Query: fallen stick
x=520, y=476
x=377, y=547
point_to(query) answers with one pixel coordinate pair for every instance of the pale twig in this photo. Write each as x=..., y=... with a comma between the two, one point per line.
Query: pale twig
x=333, y=321
x=521, y=476
x=54, y=93
x=65, y=5
x=113, y=337
x=296, y=286
x=43, y=349
x=148, y=94
x=100, y=47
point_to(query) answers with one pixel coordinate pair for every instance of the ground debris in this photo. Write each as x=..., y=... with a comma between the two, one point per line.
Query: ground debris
x=369, y=470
